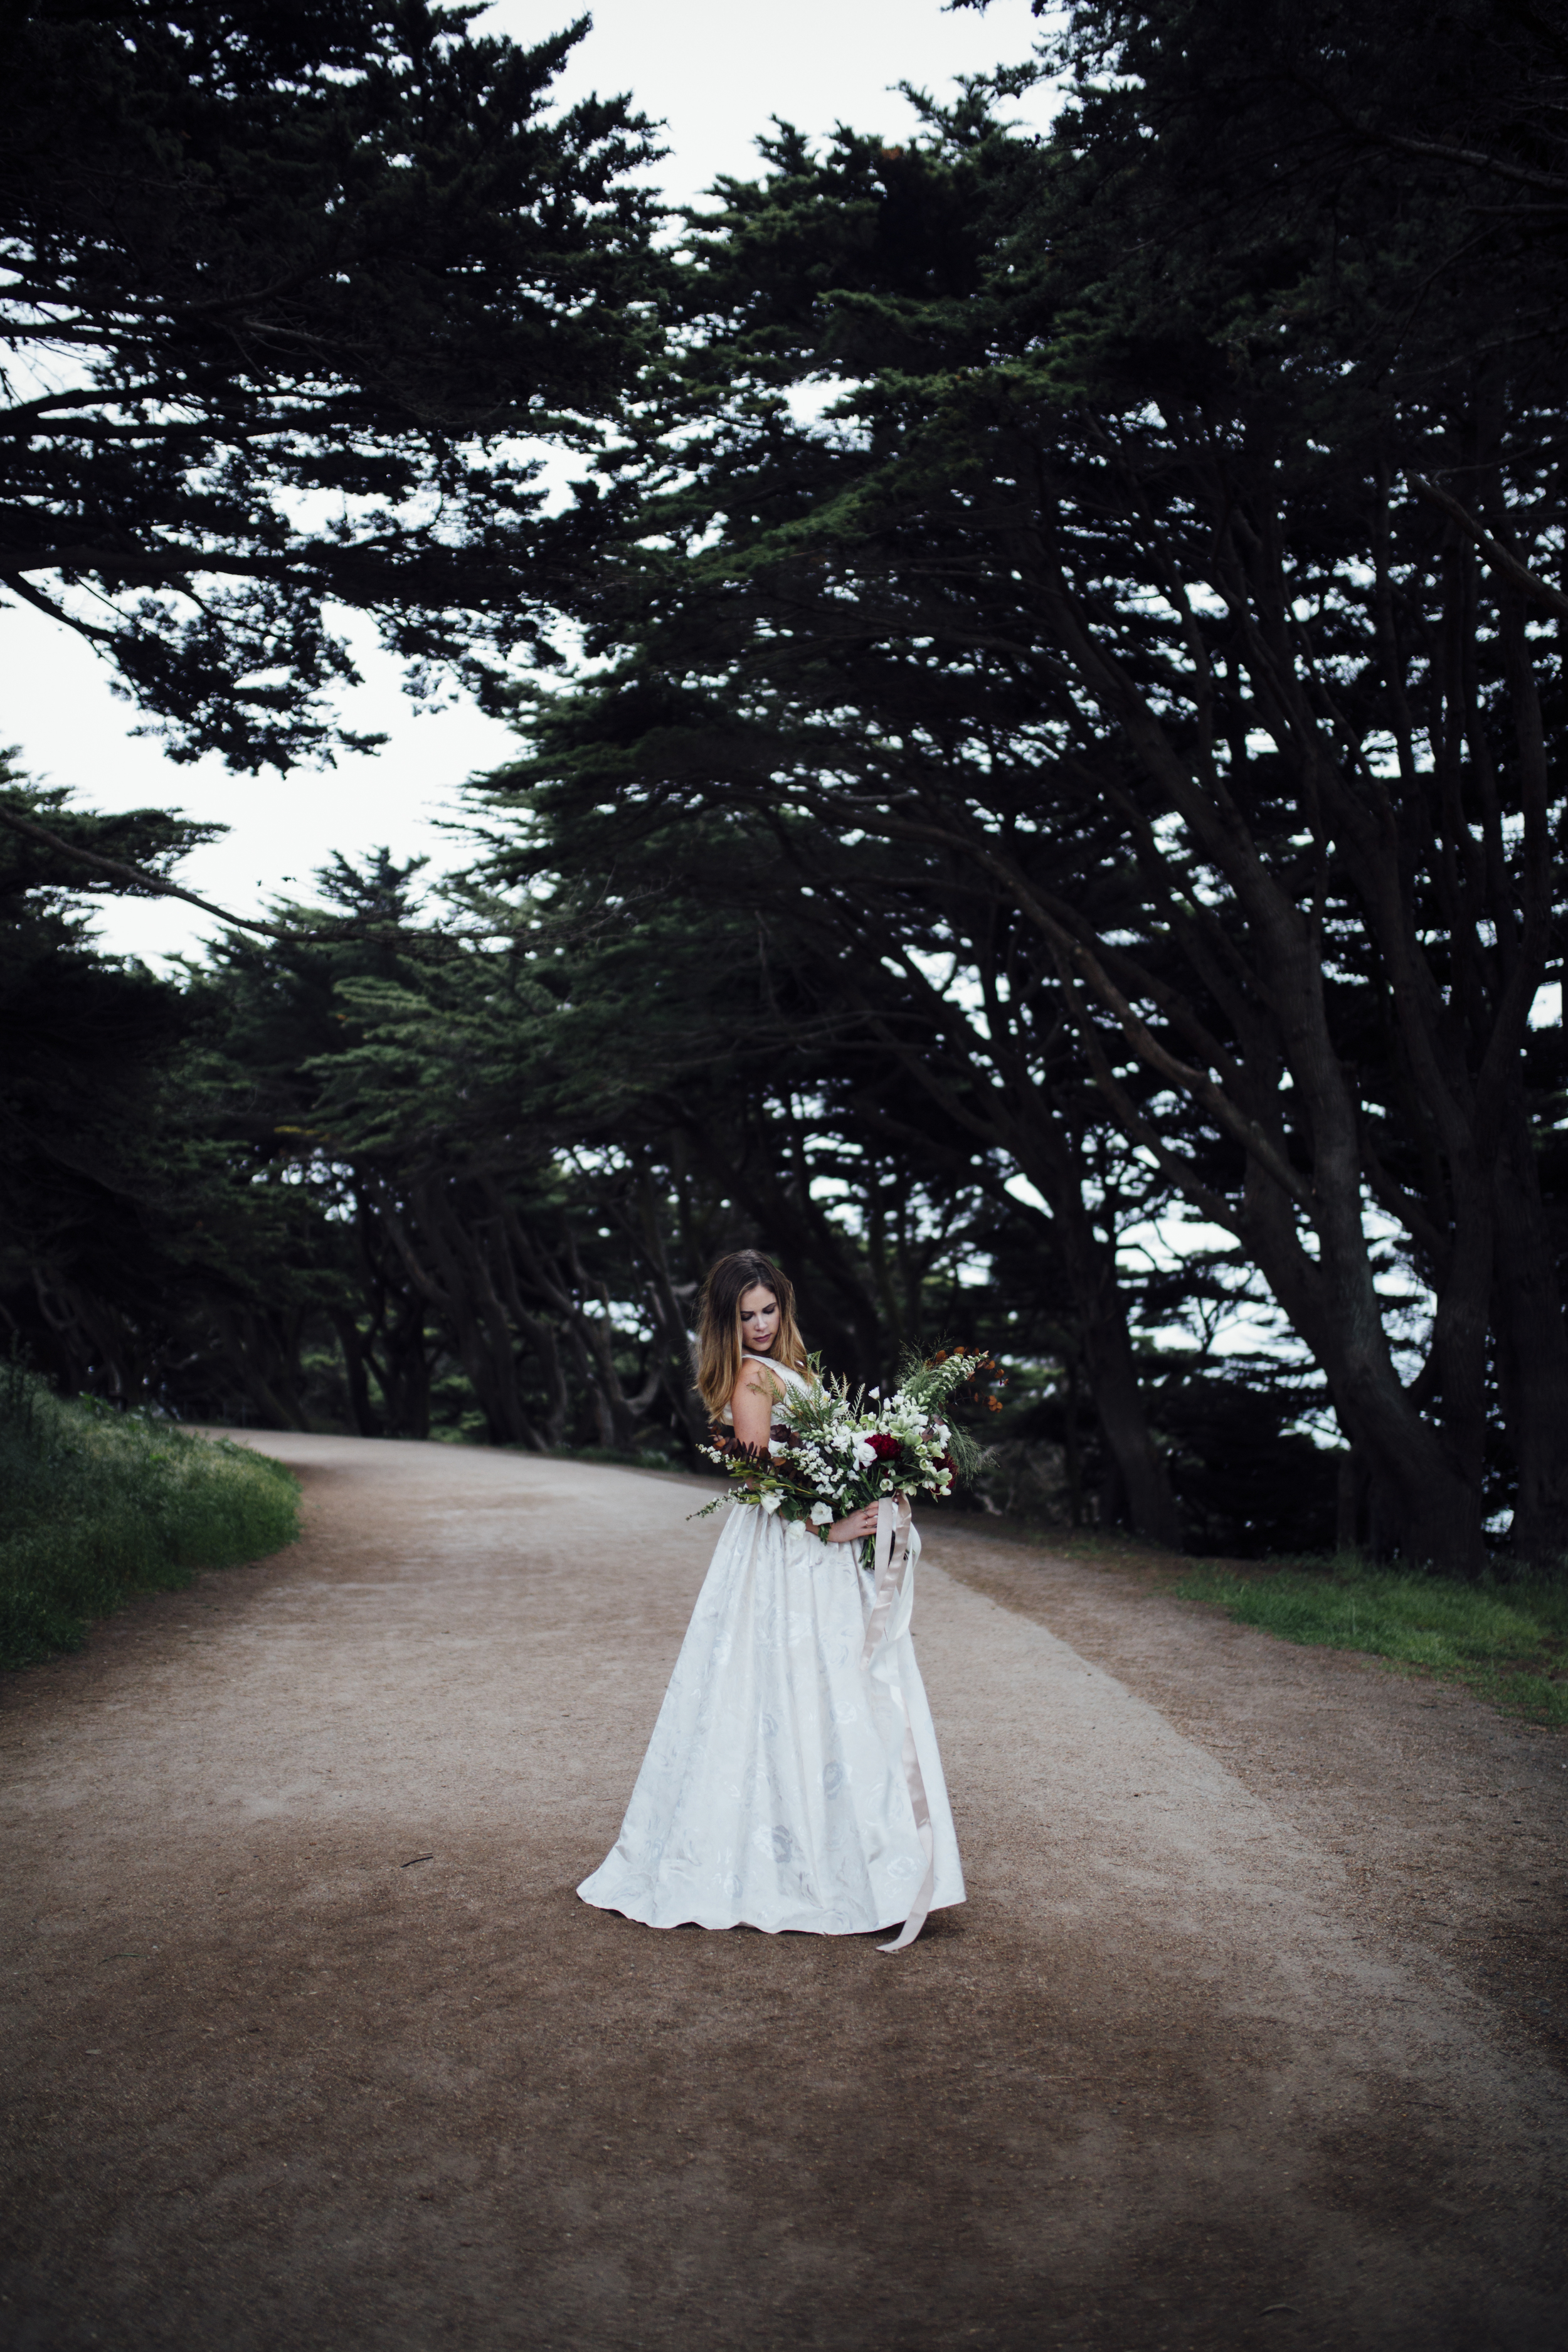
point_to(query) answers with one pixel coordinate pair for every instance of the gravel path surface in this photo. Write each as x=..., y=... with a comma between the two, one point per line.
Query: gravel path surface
x=1248, y=2034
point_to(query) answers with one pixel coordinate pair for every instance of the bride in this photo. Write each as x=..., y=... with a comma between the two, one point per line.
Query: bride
x=787, y=1785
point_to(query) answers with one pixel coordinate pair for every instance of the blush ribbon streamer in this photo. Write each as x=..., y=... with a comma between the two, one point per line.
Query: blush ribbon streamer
x=894, y=1529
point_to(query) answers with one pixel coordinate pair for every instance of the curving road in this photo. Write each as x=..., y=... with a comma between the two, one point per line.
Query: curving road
x=309, y=2043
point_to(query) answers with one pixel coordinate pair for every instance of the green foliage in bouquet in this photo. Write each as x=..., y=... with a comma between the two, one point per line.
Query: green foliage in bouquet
x=845, y=1447
x=932, y=1381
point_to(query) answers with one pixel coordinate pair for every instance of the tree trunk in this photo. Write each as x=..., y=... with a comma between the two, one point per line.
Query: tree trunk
x=1420, y=1509
x=675, y=1373
x=1146, y=1500
x=1141, y=1498
x=1531, y=1343
x=406, y=1384
x=1026, y=1120
x=353, y=1354
x=280, y=1409
x=462, y=1293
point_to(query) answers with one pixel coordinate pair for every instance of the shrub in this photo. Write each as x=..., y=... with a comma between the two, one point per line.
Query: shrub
x=95, y=1505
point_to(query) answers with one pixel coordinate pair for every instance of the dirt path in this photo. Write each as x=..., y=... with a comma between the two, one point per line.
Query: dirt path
x=1210, y=2058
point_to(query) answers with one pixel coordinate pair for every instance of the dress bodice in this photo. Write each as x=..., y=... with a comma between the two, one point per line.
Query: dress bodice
x=794, y=1383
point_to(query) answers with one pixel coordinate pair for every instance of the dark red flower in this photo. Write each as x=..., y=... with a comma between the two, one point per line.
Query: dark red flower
x=885, y=1448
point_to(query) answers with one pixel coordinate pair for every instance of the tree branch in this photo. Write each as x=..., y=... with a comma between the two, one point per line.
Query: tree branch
x=1507, y=565
x=137, y=878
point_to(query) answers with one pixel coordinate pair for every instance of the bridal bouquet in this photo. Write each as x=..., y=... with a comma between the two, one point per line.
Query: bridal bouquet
x=845, y=1449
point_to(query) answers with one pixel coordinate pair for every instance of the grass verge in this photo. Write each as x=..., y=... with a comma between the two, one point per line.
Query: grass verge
x=1507, y=1642
x=97, y=1505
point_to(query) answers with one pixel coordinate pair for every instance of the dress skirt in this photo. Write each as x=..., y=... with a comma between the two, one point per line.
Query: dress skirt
x=776, y=1792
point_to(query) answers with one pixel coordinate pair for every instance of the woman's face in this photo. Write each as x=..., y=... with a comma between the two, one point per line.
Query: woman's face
x=759, y=1319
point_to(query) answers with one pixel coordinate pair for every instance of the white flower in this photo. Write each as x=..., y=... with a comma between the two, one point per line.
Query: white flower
x=771, y=1502
x=777, y=1445
x=821, y=1514
x=865, y=1454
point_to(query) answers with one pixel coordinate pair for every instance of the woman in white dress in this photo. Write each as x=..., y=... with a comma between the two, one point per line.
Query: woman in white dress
x=790, y=1782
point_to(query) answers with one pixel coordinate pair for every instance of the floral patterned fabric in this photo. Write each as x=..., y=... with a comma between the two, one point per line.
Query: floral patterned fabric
x=773, y=1793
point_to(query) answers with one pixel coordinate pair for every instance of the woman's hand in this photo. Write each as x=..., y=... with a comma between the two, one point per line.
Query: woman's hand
x=859, y=1524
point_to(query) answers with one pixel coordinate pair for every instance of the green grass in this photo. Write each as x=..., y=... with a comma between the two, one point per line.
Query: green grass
x=1507, y=1642
x=97, y=1505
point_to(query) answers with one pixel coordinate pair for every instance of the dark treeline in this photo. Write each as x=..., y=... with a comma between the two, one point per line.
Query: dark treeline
x=1057, y=832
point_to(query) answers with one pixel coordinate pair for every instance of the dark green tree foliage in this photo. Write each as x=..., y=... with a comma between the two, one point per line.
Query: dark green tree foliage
x=405, y=1184
x=508, y=1147
x=312, y=274
x=968, y=1084
x=559, y=1135
x=262, y=1014
x=294, y=295
x=1177, y=571
x=1113, y=746
x=89, y=1043
x=157, y=1246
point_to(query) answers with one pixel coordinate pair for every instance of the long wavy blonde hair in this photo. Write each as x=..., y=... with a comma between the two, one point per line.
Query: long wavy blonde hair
x=718, y=1348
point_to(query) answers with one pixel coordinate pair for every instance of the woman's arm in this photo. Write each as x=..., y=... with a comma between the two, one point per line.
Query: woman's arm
x=751, y=1408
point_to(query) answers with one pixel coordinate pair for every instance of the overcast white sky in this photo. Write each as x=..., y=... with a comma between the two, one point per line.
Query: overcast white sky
x=714, y=73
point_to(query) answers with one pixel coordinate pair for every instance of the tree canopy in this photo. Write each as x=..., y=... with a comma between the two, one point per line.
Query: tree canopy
x=1058, y=829
x=293, y=298
x=1171, y=574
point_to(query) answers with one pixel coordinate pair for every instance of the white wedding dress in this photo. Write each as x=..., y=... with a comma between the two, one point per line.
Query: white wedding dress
x=786, y=1784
